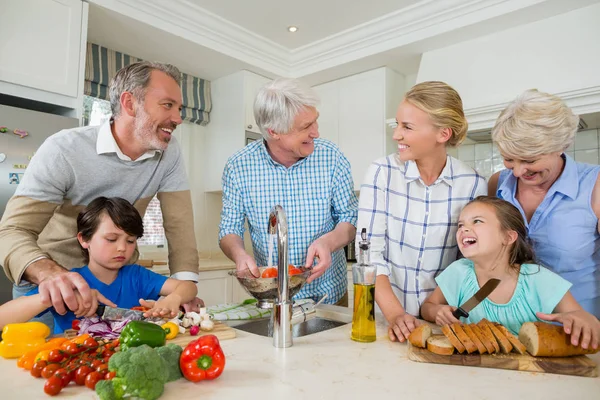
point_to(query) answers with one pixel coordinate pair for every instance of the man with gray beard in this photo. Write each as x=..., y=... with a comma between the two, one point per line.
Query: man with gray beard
x=133, y=156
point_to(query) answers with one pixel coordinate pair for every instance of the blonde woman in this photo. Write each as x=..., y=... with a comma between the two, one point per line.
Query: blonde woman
x=410, y=202
x=558, y=197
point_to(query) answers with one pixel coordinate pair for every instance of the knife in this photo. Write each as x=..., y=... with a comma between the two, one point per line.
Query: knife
x=118, y=314
x=463, y=311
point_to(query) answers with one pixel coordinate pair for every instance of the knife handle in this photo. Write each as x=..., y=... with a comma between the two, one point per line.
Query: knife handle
x=459, y=312
x=100, y=310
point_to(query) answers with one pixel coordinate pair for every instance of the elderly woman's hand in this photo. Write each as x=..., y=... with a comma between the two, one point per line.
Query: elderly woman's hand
x=579, y=324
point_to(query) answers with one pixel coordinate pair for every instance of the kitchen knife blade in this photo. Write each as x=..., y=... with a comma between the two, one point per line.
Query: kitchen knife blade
x=488, y=287
x=118, y=314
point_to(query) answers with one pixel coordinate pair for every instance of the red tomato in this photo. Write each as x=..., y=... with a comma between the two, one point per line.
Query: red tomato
x=37, y=368
x=64, y=376
x=93, y=378
x=49, y=370
x=110, y=375
x=56, y=356
x=81, y=373
x=95, y=363
x=53, y=386
x=102, y=368
x=107, y=353
x=73, y=348
x=269, y=273
x=90, y=342
x=113, y=345
x=75, y=324
x=294, y=271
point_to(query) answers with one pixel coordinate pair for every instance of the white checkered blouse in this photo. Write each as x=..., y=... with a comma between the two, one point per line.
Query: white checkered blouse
x=411, y=226
x=316, y=194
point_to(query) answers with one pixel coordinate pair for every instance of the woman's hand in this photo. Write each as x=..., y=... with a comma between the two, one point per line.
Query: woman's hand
x=401, y=327
x=166, y=307
x=444, y=315
x=579, y=324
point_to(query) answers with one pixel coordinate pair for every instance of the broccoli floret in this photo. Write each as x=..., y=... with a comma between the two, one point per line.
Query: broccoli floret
x=141, y=373
x=171, y=353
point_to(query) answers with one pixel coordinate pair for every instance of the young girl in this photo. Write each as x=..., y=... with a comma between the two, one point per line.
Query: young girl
x=492, y=237
x=107, y=231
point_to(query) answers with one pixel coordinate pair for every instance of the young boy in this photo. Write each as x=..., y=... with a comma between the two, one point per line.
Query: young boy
x=108, y=229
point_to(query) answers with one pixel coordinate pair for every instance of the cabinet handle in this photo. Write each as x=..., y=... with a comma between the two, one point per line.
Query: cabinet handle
x=249, y=126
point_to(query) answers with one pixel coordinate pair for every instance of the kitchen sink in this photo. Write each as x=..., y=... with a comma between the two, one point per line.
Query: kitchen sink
x=315, y=325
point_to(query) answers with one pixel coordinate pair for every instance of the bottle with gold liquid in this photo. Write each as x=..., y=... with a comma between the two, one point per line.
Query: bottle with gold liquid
x=364, y=274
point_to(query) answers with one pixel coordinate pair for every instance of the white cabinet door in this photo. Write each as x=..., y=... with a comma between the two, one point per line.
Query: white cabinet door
x=252, y=84
x=350, y=290
x=329, y=110
x=40, y=44
x=215, y=287
x=362, y=120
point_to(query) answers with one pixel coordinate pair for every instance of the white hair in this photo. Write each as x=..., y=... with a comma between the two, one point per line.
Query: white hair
x=278, y=102
x=533, y=124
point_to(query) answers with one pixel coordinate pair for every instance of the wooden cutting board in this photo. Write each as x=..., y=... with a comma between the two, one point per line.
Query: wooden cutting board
x=577, y=365
x=221, y=331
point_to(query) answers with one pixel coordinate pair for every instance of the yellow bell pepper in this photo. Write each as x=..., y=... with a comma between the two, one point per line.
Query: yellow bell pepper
x=17, y=339
x=172, y=329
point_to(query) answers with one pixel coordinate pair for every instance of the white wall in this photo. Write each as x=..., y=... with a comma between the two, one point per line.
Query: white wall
x=557, y=55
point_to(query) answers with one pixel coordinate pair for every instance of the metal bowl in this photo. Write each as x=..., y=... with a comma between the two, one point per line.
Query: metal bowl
x=265, y=289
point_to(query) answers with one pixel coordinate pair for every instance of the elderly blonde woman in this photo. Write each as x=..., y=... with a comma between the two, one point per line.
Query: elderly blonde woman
x=558, y=197
x=410, y=202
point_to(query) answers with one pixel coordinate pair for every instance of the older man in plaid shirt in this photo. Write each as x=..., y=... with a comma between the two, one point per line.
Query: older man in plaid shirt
x=309, y=177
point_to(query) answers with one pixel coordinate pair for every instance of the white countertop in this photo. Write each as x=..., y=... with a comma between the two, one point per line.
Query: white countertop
x=329, y=365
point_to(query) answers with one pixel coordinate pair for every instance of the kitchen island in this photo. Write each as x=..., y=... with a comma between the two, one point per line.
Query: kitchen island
x=328, y=365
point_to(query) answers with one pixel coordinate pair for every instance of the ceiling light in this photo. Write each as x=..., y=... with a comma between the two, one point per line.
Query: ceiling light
x=292, y=28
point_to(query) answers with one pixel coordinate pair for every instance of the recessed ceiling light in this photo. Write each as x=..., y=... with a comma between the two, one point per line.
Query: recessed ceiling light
x=292, y=28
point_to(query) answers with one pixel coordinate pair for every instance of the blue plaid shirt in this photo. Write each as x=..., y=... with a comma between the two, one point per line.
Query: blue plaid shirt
x=316, y=194
x=412, y=227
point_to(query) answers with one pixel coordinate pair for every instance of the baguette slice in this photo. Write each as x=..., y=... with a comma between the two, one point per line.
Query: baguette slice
x=439, y=344
x=503, y=341
x=480, y=347
x=517, y=345
x=547, y=340
x=419, y=336
x=447, y=331
x=483, y=338
x=485, y=329
x=464, y=338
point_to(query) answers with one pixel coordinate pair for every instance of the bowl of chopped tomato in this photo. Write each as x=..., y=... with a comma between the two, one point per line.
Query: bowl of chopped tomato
x=264, y=287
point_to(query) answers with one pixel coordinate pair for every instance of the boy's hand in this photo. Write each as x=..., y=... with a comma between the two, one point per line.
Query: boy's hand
x=579, y=324
x=166, y=307
x=444, y=315
x=401, y=327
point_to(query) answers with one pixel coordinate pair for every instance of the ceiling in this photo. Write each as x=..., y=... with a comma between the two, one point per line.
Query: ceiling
x=316, y=19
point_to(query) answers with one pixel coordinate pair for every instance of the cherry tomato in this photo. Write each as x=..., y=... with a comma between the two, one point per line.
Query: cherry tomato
x=73, y=348
x=90, y=342
x=269, y=273
x=102, y=368
x=37, y=368
x=95, y=363
x=49, y=370
x=63, y=375
x=53, y=386
x=113, y=345
x=110, y=375
x=106, y=359
x=107, y=353
x=81, y=373
x=56, y=356
x=75, y=324
x=93, y=378
x=294, y=271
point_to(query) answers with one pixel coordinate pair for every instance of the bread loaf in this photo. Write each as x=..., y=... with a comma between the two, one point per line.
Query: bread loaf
x=480, y=347
x=464, y=338
x=439, y=344
x=547, y=340
x=516, y=343
x=419, y=336
x=490, y=336
x=502, y=340
x=447, y=331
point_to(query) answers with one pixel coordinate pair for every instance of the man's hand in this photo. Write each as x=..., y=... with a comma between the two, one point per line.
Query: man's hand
x=193, y=305
x=58, y=287
x=245, y=262
x=318, y=249
x=97, y=298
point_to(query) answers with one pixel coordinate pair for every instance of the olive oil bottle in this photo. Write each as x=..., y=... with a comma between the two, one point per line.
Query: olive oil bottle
x=363, y=275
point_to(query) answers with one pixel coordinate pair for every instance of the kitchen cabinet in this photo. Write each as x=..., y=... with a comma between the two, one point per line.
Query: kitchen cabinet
x=42, y=46
x=215, y=287
x=353, y=111
x=231, y=116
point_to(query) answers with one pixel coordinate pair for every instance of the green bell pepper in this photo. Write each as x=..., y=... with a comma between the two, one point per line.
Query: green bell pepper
x=137, y=333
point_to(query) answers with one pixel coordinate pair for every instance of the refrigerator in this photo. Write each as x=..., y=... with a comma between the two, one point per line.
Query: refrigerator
x=22, y=131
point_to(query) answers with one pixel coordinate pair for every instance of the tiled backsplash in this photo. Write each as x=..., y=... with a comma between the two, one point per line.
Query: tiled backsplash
x=486, y=159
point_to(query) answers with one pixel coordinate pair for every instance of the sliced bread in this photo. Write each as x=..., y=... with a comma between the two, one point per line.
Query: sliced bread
x=447, y=331
x=490, y=336
x=547, y=340
x=464, y=338
x=503, y=341
x=483, y=338
x=480, y=347
x=439, y=344
x=517, y=345
x=419, y=336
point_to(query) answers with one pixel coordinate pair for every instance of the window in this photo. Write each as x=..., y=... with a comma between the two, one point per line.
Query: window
x=96, y=112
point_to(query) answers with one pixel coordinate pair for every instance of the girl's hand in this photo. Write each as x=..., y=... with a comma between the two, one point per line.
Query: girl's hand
x=166, y=307
x=401, y=327
x=444, y=315
x=579, y=324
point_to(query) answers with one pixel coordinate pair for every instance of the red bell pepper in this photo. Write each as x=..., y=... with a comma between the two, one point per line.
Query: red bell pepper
x=202, y=359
